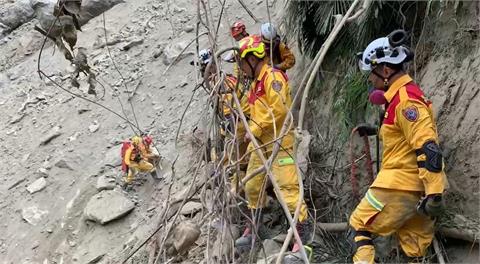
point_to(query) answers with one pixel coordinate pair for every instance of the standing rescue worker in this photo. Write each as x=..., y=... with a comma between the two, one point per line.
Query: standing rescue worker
x=270, y=101
x=282, y=57
x=231, y=123
x=407, y=192
x=135, y=161
x=238, y=31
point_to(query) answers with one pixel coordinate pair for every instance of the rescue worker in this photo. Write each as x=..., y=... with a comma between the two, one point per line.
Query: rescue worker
x=269, y=100
x=238, y=31
x=232, y=125
x=282, y=57
x=134, y=160
x=407, y=192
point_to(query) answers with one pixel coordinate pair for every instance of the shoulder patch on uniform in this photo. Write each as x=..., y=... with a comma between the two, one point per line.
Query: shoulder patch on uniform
x=411, y=113
x=277, y=85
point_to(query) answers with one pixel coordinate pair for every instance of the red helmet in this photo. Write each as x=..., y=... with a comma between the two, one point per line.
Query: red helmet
x=237, y=28
x=148, y=140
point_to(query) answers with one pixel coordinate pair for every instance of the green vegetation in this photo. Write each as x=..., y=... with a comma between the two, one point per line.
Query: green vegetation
x=310, y=22
x=351, y=104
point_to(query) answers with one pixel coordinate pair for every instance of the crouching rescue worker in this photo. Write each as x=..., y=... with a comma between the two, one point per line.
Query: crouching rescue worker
x=269, y=100
x=407, y=193
x=282, y=57
x=133, y=160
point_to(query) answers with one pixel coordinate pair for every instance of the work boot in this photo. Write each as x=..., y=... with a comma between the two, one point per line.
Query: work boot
x=244, y=243
x=304, y=230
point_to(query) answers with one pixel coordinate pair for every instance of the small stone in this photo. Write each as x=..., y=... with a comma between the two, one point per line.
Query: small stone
x=53, y=133
x=63, y=164
x=94, y=127
x=37, y=185
x=132, y=43
x=188, y=29
x=105, y=183
x=83, y=110
x=43, y=172
x=33, y=215
x=35, y=244
x=96, y=259
x=191, y=208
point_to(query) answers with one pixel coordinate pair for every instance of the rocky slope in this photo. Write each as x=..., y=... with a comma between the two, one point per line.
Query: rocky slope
x=66, y=146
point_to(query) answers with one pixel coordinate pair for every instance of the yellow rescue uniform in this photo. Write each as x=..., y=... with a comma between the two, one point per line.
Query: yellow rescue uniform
x=390, y=204
x=236, y=126
x=270, y=101
x=135, y=162
x=283, y=58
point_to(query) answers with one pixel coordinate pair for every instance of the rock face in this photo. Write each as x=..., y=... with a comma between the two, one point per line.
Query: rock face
x=33, y=215
x=112, y=157
x=107, y=206
x=37, y=185
x=105, y=183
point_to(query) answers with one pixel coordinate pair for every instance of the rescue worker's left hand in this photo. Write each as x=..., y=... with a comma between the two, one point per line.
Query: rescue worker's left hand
x=247, y=138
x=431, y=205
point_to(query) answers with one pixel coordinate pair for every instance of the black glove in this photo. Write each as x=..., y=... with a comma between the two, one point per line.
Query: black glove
x=431, y=205
x=365, y=129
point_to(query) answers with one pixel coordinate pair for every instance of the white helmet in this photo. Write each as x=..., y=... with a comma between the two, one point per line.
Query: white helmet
x=268, y=31
x=204, y=56
x=385, y=50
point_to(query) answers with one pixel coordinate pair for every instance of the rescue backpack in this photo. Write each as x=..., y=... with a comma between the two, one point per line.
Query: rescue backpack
x=125, y=145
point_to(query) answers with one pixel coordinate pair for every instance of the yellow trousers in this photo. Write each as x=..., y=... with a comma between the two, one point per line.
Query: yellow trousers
x=384, y=212
x=285, y=174
x=242, y=149
x=135, y=167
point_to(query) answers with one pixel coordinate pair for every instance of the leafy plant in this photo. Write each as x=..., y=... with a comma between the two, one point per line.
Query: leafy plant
x=351, y=101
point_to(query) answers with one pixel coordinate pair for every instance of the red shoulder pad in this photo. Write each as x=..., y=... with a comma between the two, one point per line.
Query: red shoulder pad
x=414, y=92
x=258, y=90
x=284, y=74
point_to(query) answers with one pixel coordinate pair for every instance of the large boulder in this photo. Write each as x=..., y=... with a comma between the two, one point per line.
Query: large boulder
x=107, y=206
x=13, y=15
x=182, y=238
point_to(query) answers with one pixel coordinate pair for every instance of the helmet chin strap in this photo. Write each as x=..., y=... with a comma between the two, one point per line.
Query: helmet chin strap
x=386, y=79
x=251, y=68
